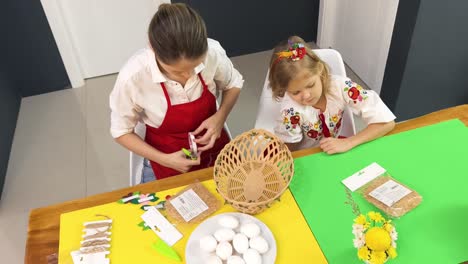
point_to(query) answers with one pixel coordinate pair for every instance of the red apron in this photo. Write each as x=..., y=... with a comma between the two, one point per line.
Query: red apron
x=181, y=119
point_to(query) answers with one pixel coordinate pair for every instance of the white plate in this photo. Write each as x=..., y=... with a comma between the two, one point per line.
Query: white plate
x=194, y=255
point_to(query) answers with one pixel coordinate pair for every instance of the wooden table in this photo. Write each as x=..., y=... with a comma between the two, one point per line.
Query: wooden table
x=44, y=223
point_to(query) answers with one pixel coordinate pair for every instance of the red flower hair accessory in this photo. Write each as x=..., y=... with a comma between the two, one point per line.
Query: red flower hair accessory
x=295, y=52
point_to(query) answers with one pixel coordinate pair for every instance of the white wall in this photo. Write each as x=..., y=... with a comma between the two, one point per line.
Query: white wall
x=97, y=37
x=361, y=30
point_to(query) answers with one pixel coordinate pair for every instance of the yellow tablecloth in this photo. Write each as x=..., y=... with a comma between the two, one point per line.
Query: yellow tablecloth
x=130, y=244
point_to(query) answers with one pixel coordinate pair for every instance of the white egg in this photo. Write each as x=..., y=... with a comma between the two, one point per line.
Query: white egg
x=251, y=256
x=235, y=260
x=240, y=243
x=208, y=243
x=228, y=222
x=224, y=234
x=224, y=250
x=214, y=260
x=250, y=230
x=259, y=243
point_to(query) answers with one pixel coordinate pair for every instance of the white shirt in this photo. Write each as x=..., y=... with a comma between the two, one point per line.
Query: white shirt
x=300, y=123
x=138, y=95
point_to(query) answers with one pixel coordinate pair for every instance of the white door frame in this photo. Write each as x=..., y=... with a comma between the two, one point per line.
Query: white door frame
x=54, y=14
x=327, y=27
x=63, y=35
x=326, y=9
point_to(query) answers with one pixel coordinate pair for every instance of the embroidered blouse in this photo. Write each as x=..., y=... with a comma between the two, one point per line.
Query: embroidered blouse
x=308, y=125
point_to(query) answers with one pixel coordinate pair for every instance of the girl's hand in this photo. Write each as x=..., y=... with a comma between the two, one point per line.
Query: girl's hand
x=179, y=162
x=335, y=145
x=213, y=126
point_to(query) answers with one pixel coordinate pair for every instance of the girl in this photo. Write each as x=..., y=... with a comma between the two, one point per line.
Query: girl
x=171, y=87
x=313, y=102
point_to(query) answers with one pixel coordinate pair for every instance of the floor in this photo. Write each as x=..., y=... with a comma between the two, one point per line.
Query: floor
x=62, y=148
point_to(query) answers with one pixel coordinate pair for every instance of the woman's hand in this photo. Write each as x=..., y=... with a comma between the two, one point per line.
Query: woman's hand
x=335, y=145
x=213, y=126
x=179, y=161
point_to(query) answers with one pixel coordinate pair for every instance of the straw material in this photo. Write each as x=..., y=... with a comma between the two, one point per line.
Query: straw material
x=406, y=204
x=205, y=195
x=253, y=170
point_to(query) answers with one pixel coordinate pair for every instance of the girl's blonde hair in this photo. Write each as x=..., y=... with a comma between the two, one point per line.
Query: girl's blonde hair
x=177, y=31
x=283, y=70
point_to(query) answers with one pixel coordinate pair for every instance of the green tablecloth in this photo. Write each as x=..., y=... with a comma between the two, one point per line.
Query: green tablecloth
x=432, y=160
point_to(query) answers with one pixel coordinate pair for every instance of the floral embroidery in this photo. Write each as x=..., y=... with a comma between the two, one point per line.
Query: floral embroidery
x=291, y=118
x=355, y=91
x=317, y=125
x=334, y=118
x=295, y=119
x=336, y=129
x=312, y=133
x=312, y=130
x=338, y=125
x=335, y=122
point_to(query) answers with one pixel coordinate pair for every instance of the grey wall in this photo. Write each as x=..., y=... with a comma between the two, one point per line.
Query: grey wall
x=32, y=54
x=433, y=69
x=247, y=26
x=10, y=100
x=30, y=64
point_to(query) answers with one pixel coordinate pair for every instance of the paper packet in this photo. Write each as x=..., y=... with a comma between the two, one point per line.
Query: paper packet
x=376, y=185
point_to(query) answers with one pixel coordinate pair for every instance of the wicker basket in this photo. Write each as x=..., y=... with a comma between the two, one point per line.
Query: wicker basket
x=253, y=170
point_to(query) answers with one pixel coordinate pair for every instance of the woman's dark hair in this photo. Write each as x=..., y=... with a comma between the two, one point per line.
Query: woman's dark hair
x=177, y=31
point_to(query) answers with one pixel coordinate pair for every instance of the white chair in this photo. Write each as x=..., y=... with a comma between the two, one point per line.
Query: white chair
x=136, y=161
x=268, y=106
